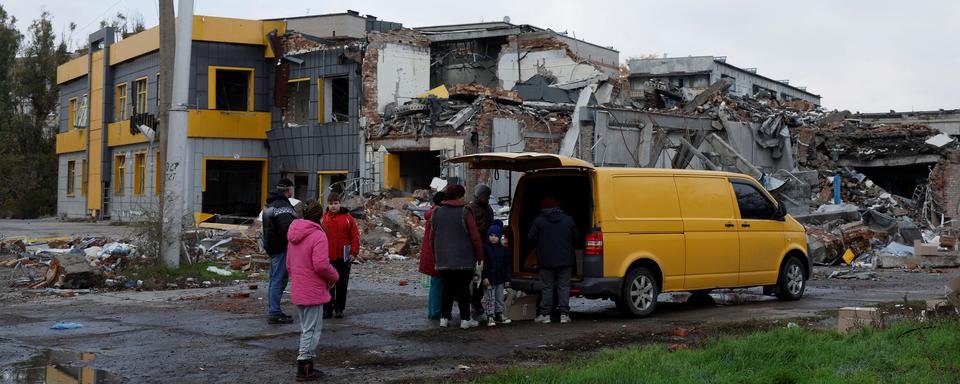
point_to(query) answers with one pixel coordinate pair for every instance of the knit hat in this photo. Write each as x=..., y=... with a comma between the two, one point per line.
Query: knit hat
x=496, y=228
x=454, y=191
x=549, y=202
x=284, y=183
x=313, y=211
x=482, y=190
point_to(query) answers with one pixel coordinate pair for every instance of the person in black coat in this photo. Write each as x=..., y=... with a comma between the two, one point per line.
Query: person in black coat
x=555, y=234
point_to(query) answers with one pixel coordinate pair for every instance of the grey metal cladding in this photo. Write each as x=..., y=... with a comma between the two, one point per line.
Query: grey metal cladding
x=206, y=54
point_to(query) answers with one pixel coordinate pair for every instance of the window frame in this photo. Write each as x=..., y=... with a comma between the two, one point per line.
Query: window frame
x=766, y=198
x=83, y=178
x=120, y=110
x=71, y=178
x=212, y=85
x=72, y=104
x=139, y=173
x=119, y=173
x=145, y=92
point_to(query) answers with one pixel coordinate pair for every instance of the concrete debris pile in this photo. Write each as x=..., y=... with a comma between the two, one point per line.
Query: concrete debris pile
x=391, y=226
x=468, y=107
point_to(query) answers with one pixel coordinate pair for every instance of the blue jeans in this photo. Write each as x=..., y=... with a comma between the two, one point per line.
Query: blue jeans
x=278, y=283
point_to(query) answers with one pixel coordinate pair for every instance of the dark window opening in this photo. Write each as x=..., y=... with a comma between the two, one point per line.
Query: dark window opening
x=340, y=98
x=753, y=204
x=298, y=104
x=233, y=89
x=233, y=188
x=418, y=169
x=900, y=180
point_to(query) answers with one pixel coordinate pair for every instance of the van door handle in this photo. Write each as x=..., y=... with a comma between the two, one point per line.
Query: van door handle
x=745, y=225
x=728, y=225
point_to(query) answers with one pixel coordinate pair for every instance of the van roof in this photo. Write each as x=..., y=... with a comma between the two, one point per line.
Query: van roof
x=668, y=171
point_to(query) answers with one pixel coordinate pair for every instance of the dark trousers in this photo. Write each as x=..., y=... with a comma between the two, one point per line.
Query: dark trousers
x=555, y=281
x=456, y=287
x=338, y=294
x=476, y=300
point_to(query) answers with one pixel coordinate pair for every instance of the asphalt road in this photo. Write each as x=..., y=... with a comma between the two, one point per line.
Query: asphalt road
x=205, y=335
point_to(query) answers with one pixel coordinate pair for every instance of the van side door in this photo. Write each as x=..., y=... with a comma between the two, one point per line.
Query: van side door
x=762, y=238
x=710, y=233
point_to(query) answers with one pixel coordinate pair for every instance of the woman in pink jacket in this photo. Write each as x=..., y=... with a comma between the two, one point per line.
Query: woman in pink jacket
x=311, y=277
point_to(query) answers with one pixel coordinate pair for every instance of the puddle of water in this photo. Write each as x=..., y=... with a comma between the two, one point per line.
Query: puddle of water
x=58, y=367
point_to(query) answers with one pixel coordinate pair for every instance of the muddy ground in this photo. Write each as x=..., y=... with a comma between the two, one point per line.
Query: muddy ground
x=208, y=335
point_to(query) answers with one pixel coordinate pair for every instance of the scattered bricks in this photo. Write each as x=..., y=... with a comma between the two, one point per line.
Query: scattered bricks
x=681, y=332
x=241, y=295
x=856, y=236
x=59, y=244
x=239, y=264
x=12, y=247
x=948, y=241
x=403, y=283
x=824, y=247
x=853, y=318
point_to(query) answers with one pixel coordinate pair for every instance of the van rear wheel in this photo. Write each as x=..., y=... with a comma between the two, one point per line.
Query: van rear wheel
x=638, y=296
x=792, y=280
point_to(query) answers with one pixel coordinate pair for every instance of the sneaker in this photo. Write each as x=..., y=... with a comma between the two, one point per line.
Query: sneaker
x=542, y=319
x=503, y=319
x=443, y=322
x=491, y=322
x=279, y=320
x=564, y=318
x=465, y=324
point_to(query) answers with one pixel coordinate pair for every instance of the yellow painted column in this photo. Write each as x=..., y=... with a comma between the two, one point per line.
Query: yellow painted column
x=391, y=172
x=95, y=149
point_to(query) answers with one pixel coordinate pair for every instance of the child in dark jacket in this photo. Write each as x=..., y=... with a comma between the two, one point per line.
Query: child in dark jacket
x=497, y=272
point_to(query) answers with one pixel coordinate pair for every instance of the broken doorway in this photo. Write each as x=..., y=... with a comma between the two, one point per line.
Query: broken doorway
x=899, y=180
x=233, y=188
x=417, y=169
x=330, y=182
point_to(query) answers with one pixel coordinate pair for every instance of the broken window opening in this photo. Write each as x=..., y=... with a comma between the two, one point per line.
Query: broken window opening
x=417, y=169
x=898, y=180
x=297, y=112
x=71, y=177
x=233, y=187
x=340, y=98
x=233, y=90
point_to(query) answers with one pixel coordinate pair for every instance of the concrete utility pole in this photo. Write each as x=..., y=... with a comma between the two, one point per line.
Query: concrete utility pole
x=176, y=157
x=167, y=46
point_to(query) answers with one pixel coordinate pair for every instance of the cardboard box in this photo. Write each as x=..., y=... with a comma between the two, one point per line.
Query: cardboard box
x=853, y=318
x=953, y=291
x=520, y=306
x=921, y=249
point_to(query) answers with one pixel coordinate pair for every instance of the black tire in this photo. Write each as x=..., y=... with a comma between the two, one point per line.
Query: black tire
x=792, y=281
x=638, y=294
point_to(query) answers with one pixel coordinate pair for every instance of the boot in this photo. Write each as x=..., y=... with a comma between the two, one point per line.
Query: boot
x=306, y=372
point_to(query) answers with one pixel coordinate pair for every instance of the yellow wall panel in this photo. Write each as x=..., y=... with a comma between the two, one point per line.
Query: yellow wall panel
x=119, y=134
x=228, y=124
x=95, y=192
x=135, y=45
x=74, y=140
x=72, y=69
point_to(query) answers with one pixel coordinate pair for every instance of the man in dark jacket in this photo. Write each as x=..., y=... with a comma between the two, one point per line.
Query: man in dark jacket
x=480, y=207
x=277, y=217
x=555, y=234
x=457, y=249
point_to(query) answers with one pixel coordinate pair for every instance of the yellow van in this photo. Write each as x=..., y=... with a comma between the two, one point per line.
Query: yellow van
x=647, y=231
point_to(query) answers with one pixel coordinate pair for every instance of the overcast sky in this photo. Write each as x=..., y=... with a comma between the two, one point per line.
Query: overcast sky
x=869, y=56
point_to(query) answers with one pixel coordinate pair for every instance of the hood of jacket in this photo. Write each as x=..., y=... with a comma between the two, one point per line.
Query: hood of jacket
x=301, y=229
x=554, y=215
x=274, y=196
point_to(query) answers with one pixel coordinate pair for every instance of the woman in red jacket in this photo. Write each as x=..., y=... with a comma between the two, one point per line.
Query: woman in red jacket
x=344, y=239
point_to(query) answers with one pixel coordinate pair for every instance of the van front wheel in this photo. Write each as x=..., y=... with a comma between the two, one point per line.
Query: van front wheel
x=638, y=296
x=792, y=280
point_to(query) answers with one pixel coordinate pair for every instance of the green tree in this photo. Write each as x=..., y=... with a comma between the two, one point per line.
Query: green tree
x=9, y=46
x=28, y=184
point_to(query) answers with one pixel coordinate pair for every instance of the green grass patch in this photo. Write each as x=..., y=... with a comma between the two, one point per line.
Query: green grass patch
x=903, y=353
x=196, y=270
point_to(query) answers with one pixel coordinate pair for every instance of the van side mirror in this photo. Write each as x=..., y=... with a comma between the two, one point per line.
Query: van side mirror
x=781, y=212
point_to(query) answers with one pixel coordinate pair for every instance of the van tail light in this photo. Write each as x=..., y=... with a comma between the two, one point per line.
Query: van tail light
x=594, y=243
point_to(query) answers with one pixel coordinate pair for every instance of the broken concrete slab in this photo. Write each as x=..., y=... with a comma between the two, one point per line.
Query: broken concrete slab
x=938, y=261
x=711, y=91
x=939, y=140
x=76, y=272
x=853, y=318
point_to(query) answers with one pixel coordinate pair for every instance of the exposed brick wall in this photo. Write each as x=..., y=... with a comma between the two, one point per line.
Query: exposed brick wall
x=368, y=107
x=945, y=181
